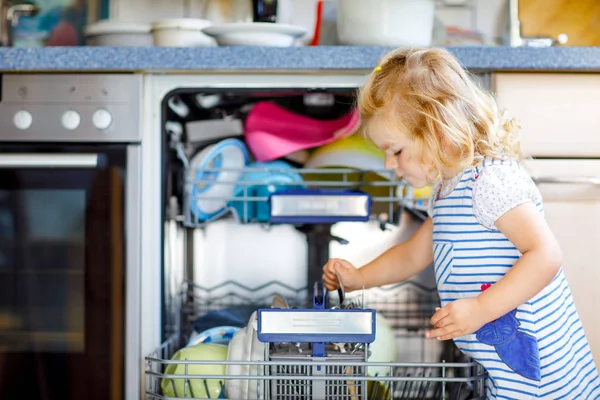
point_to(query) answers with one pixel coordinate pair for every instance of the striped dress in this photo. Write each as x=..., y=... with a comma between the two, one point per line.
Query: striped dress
x=537, y=351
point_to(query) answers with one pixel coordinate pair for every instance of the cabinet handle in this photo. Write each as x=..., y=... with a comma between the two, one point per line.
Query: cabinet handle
x=581, y=180
x=41, y=160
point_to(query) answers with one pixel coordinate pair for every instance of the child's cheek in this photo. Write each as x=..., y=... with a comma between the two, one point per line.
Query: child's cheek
x=400, y=163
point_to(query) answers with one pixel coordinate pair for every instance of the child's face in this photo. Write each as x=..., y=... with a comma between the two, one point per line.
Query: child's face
x=401, y=153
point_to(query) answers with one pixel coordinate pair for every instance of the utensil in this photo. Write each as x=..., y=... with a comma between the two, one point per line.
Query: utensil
x=279, y=302
x=318, y=22
x=341, y=291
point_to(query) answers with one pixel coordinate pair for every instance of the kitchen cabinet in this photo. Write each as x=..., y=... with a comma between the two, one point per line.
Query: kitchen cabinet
x=572, y=208
x=560, y=128
x=558, y=112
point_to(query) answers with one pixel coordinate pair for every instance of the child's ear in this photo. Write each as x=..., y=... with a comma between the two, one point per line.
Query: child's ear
x=445, y=146
x=448, y=151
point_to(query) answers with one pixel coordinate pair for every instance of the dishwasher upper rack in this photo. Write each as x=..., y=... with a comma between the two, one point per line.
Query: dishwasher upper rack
x=388, y=193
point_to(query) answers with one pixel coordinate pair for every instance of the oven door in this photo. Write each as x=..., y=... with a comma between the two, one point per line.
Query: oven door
x=63, y=271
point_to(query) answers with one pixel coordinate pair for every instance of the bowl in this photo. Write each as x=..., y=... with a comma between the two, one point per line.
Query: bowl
x=273, y=131
x=384, y=348
x=350, y=152
x=267, y=178
x=202, y=388
x=354, y=153
x=216, y=335
x=118, y=34
x=181, y=32
x=255, y=34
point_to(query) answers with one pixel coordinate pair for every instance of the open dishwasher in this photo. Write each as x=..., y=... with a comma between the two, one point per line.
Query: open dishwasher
x=261, y=185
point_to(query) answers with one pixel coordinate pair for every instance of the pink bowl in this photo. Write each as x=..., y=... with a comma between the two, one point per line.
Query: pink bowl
x=272, y=131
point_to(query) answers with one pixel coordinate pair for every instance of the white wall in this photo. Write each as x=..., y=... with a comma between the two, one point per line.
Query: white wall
x=487, y=16
x=145, y=10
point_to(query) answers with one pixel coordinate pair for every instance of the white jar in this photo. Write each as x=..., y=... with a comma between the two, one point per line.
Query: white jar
x=181, y=32
x=406, y=23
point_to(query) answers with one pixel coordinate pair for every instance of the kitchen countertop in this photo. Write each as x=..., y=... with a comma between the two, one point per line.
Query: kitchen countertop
x=334, y=58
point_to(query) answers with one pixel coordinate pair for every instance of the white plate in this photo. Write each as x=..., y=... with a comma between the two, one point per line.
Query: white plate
x=255, y=34
x=245, y=346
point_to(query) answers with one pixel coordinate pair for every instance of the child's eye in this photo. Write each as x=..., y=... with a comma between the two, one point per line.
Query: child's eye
x=398, y=152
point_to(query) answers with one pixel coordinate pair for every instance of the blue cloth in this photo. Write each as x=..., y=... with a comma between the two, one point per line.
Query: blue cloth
x=234, y=316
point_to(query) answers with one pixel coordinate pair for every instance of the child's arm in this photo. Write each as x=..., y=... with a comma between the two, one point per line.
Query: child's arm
x=395, y=265
x=541, y=259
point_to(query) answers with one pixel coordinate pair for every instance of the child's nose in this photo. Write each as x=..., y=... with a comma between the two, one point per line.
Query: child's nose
x=390, y=161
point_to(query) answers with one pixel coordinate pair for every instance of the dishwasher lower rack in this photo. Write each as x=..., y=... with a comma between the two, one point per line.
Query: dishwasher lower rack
x=289, y=371
x=337, y=377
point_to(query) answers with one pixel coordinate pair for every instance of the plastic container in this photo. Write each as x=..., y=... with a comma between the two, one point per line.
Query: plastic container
x=261, y=180
x=212, y=177
x=181, y=32
x=118, y=34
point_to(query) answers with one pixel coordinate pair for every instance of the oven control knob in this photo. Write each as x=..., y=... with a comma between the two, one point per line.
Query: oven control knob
x=102, y=119
x=71, y=119
x=23, y=119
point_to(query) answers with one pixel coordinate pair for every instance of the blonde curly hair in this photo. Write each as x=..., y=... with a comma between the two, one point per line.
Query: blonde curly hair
x=435, y=101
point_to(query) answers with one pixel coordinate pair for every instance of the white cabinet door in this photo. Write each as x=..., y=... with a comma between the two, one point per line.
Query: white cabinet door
x=558, y=112
x=573, y=212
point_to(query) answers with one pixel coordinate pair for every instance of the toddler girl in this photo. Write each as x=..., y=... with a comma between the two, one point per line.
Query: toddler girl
x=505, y=300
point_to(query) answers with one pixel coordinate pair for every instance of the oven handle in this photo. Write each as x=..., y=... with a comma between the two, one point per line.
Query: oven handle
x=48, y=160
x=580, y=180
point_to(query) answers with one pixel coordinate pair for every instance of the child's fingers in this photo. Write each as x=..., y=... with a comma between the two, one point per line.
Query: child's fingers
x=440, y=313
x=445, y=333
x=329, y=286
x=329, y=278
x=328, y=270
x=342, y=265
x=337, y=269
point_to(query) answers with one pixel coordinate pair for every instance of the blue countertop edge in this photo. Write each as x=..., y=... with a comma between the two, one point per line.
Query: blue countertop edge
x=335, y=58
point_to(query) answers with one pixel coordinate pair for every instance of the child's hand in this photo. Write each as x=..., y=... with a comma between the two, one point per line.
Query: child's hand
x=458, y=318
x=350, y=276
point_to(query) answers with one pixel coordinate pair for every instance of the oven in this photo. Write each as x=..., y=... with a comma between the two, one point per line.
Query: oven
x=70, y=151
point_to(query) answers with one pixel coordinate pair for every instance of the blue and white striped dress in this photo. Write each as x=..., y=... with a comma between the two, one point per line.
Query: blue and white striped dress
x=537, y=351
